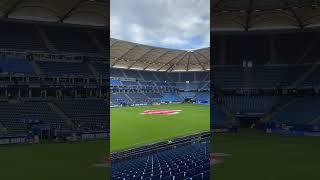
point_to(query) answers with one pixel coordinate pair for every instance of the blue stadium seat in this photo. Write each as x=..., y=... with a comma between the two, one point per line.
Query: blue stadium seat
x=177, y=163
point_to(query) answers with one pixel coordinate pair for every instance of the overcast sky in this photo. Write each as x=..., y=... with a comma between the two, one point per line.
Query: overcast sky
x=178, y=24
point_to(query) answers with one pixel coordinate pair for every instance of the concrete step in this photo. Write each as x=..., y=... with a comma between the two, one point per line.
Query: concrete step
x=62, y=115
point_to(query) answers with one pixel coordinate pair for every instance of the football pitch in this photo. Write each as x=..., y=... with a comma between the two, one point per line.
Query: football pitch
x=63, y=161
x=266, y=157
x=129, y=127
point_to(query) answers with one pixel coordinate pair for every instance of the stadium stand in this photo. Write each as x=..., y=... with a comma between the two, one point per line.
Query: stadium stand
x=15, y=114
x=53, y=88
x=265, y=83
x=220, y=117
x=62, y=68
x=88, y=114
x=74, y=40
x=147, y=87
x=51, y=85
x=21, y=37
x=185, y=158
x=189, y=162
x=302, y=111
x=15, y=66
x=273, y=81
x=142, y=91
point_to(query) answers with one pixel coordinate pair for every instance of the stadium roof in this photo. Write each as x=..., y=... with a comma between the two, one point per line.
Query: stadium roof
x=250, y=15
x=83, y=12
x=129, y=55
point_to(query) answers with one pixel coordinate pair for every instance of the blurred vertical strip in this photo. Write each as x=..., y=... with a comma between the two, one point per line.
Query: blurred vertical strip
x=108, y=85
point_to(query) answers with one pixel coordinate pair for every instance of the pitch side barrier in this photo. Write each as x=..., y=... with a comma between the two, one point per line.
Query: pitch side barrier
x=224, y=129
x=149, y=149
x=13, y=140
x=292, y=130
x=9, y=140
x=47, y=56
x=286, y=132
x=146, y=104
x=94, y=135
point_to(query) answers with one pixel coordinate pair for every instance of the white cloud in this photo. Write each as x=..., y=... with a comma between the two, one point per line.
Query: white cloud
x=182, y=24
x=173, y=41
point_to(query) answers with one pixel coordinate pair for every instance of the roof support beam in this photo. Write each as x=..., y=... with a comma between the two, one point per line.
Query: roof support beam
x=12, y=8
x=114, y=43
x=128, y=51
x=139, y=59
x=188, y=61
x=204, y=58
x=202, y=55
x=175, y=64
x=52, y=10
x=293, y=12
x=121, y=57
x=155, y=60
x=74, y=7
x=199, y=62
x=249, y=14
x=216, y=5
x=170, y=62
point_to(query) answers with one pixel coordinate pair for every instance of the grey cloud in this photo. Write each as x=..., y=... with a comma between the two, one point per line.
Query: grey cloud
x=165, y=23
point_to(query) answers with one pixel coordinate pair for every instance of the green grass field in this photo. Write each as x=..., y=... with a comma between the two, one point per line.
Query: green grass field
x=131, y=129
x=266, y=157
x=65, y=161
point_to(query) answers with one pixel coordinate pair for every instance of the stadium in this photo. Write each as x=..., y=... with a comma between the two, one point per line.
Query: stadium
x=265, y=79
x=159, y=100
x=159, y=90
x=54, y=79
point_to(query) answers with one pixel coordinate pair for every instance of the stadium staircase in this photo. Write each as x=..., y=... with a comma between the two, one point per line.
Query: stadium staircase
x=93, y=70
x=36, y=68
x=141, y=75
x=306, y=75
x=204, y=86
x=156, y=77
x=1, y=128
x=61, y=114
x=95, y=41
x=148, y=98
x=124, y=74
x=306, y=52
x=196, y=96
x=207, y=77
x=45, y=39
x=128, y=97
x=226, y=111
x=315, y=120
x=276, y=110
x=180, y=96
